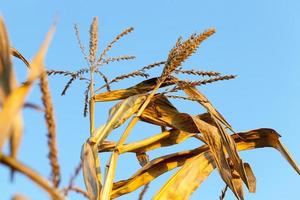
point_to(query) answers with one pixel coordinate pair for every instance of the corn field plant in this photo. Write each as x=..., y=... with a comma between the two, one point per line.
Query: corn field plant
x=147, y=101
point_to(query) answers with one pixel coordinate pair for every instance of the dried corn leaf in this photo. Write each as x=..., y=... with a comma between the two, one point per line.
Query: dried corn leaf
x=7, y=84
x=216, y=146
x=107, y=188
x=264, y=137
x=230, y=146
x=143, y=158
x=258, y=138
x=152, y=170
x=191, y=175
x=161, y=112
x=17, y=54
x=251, y=178
x=16, y=135
x=228, y=143
x=14, y=102
x=118, y=115
x=253, y=139
x=142, y=87
x=90, y=170
x=166, y=138
x=7, y=77
x=193, y=93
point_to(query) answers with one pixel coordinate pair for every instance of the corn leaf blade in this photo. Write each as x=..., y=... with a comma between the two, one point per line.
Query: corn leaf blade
x=90, y=170
x=253, y=139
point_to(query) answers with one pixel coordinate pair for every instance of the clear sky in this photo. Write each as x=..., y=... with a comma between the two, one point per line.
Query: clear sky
x=256, y=40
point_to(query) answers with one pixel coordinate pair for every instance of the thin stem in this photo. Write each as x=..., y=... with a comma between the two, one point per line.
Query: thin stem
x=143, y=192
x=77, y=190
x=223, y=193
x=72, y=179
x=34, y=176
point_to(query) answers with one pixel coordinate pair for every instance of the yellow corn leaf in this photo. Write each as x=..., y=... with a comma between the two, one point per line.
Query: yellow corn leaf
x=142, y=87
x=7, y=84
x=118, y=115
x=90, y=170
x=251, y=178
x=14, y=102
x=258, y=138
x=152, y=170
x=226, y=139
x=215, y=143
x=264, y=137
x=193, y=173
x=230, y=146
x=193, y=93
x=161, y=112
x=7, y=77
x=166, y=138
x=109, y=180
x=253, y=139
x=16, y=135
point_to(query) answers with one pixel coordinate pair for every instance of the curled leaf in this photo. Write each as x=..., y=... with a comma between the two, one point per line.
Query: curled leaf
x=258, y=138
x=17, y=54
x=215, y=143
x=228, y=143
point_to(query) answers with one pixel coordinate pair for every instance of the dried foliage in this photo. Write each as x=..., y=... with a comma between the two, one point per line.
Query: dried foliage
x=219, y=144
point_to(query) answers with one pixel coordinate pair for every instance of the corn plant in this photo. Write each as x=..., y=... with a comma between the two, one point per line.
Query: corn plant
x=147, y=101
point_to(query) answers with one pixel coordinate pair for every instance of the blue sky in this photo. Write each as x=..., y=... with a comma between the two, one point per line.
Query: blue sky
x=256, y=40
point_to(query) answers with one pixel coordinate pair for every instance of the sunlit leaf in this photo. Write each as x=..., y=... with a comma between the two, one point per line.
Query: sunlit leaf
x=152, y=170
x=14, y=102
x=108, y=184
x=118, y=115
x=166, y=138
x=215, y=143
x=227, y=141
x=251, y=178
x=90, y=170
x=7, y=84
x=160, y=111
x=17, y=54
x=252, y=139
x=190, y=175
x=193, y=93
x=7, y=77
x=142, y=87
